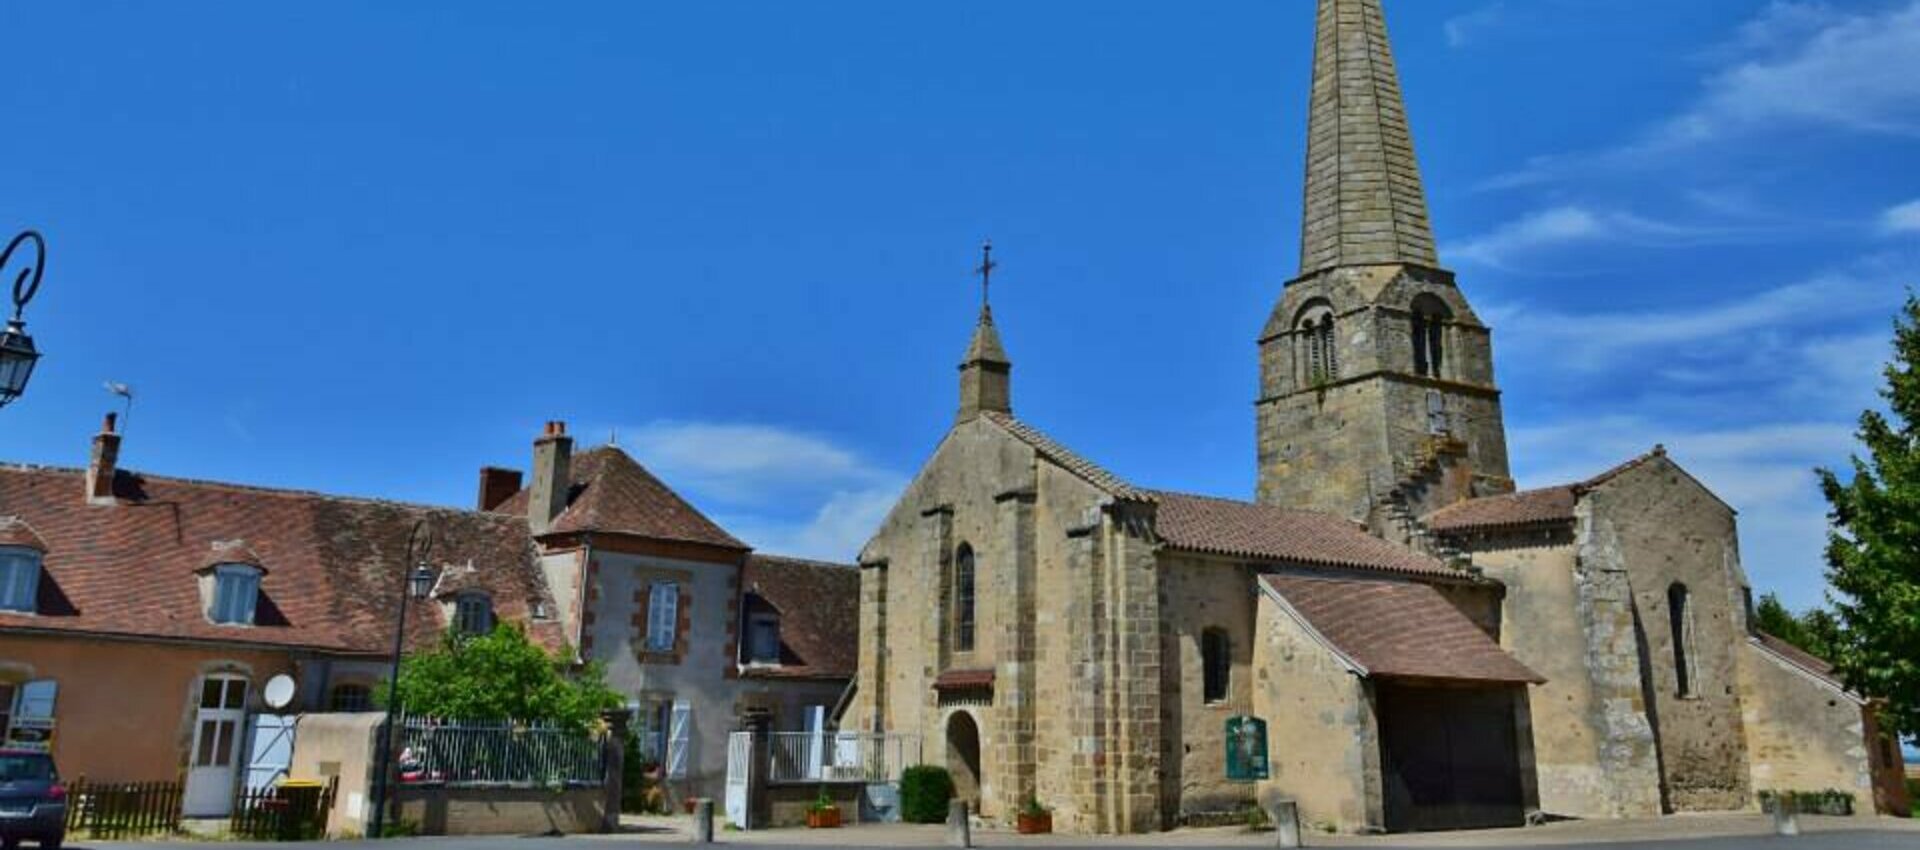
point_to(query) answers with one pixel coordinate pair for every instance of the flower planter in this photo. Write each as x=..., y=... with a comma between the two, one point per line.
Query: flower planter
x=823, y=818
x=1027, y=824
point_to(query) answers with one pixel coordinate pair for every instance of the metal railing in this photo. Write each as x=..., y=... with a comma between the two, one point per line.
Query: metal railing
x=841, y=756
x=122, y=809
x=499, y=754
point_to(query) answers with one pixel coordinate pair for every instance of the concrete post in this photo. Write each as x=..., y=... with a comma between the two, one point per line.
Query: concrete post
x=759, y=760
x=959, y=828
x=1786, y=816
x=1286, y=823
x=703, y=820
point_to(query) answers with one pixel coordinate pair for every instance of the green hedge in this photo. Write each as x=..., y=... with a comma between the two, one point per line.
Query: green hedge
x=924, y=793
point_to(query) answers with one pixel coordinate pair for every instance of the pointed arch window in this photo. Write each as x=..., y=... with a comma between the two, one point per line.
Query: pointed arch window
x=1680, y=620
x=1430, y=318
x=963, y=599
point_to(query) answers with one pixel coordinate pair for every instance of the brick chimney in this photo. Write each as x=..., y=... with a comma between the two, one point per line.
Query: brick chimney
x=105, y=459
x=497, y=485
x=552, y=476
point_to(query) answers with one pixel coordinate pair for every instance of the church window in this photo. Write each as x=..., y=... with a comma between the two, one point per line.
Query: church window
x=963, y=599
x=1216, y=665
x=1680, y=619
x=1319, y=347
x=1430, y=317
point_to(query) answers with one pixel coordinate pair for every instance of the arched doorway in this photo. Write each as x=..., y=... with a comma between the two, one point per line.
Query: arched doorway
x=963, y=758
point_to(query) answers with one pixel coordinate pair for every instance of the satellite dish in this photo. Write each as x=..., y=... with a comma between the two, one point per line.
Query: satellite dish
x=279, y=692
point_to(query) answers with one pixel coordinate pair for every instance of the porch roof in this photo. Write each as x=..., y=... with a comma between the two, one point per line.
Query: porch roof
x=1395, y=629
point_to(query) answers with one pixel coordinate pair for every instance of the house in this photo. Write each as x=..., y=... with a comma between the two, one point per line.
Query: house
x=141, y=615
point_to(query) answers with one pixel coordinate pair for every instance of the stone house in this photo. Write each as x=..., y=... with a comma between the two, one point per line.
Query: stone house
x=1426, y=648
x=140, y=615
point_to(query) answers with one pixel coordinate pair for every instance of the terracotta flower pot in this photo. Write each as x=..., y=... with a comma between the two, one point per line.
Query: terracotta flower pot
x=1039, y=824
x=823, y=818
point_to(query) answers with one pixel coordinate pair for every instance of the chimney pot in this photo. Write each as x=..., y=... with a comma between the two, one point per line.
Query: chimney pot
x=111, y=425
x=497, y=485
x=552, y=476
x=103, y=462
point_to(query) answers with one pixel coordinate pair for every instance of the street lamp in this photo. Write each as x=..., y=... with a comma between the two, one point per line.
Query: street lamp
x=17, y=354
x=419, y=583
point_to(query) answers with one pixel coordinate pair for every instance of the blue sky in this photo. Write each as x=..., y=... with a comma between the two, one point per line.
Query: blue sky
x=366, y=248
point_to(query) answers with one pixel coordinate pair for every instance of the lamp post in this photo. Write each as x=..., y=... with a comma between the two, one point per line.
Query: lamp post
x=419, y=583
x=17, y=354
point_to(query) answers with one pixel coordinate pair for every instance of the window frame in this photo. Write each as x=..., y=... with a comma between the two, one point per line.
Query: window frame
x=227, y=610
x=1680, y=623
x=966, y=601
x=663, y=617
x=759, y=624
x=20, y=569
x=365, y=698
x=466, y=603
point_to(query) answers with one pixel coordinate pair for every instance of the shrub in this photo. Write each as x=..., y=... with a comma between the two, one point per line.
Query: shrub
x=924, y=793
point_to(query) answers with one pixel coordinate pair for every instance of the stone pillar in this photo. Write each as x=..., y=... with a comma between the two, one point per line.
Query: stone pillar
x=614, y=782
x=1014, y=707
x=1085, y=742
x=936, y=633
x=759, y=728
x=703, y=821
x=1133, y=659
x=959, y=828
x=871, y=697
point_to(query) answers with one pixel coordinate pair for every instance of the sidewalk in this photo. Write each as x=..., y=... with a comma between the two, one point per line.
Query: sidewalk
x=1675, y=828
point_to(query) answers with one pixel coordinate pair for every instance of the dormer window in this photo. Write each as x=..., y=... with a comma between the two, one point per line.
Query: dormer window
x=473, y=614
x=236, y=593
x=763, y=638
x=19, y=578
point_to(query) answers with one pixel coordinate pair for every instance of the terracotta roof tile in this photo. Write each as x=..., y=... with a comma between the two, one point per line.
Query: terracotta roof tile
x=1542, y=506
x=1398, y=629
x=1813, y=665
x=819, y=605
x=15, y=531
x=1087, y=470
x=333, y=563
x=1247, y=530
x=613, y=494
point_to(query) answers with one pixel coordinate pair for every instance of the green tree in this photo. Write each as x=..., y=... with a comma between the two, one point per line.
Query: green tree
x=503, y=676
x=1873, y=552
x=1816, y=631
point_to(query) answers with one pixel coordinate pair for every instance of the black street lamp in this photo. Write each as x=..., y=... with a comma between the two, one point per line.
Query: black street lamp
x=17, y=354
x=418, y=585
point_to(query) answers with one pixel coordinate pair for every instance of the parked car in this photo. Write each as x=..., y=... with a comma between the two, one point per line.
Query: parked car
x=33, y=803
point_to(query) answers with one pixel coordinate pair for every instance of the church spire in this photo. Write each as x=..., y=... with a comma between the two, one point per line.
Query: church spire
x=986, y=375
x=1364, y=201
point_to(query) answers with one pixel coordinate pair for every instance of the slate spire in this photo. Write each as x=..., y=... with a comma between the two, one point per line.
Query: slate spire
x=1364, y=201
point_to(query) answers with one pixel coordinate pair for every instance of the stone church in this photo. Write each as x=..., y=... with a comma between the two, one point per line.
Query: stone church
x=1426, y=647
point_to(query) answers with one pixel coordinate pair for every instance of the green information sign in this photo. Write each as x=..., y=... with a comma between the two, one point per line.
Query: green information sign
x=1246, y=749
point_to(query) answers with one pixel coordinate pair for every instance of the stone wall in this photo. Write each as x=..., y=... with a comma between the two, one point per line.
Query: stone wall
x=1660, y=527
x=501, y=811
x=1803, y=734
x=1197, y=594
x=340, y=746
x=1323, y=740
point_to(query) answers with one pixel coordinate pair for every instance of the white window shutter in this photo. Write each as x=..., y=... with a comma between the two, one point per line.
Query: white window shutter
x=37, y=697
x=679, y=738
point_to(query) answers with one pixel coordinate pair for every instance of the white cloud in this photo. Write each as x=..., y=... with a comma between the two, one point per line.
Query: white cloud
x=1463, y=30
x=782, y=491
x=1904, y=218
x=1572, y=224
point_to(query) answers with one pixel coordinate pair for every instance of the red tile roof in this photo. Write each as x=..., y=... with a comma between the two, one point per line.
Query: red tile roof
x=819, y=605
x=1065, y=458
x=613, y=494
x=1263, y=532
x=333, y=572
x=1812, y=665
x=1543, y=506
x=1397, y=629
x=960, y=680
x=15, y=531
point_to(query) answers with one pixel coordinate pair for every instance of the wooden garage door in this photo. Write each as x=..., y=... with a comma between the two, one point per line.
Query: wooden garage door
x=1449, y=757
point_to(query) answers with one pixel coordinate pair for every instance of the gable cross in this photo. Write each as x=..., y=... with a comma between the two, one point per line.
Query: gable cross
x=985, y=271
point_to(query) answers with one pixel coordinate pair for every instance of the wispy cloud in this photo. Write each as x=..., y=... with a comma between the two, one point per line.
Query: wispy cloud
x=1463, y=30
x=1796, y=65
x=1904, y=218
x=779, y=489
x=1572, y=224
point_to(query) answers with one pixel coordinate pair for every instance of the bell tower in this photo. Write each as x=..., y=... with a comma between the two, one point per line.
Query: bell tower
x=1377, y=397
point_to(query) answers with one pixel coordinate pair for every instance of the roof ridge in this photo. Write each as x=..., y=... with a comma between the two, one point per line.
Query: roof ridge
x=295, y=492
x=810, y=562
x=1093, y=473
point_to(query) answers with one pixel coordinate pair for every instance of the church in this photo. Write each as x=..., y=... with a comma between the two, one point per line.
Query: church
x=1389, y=634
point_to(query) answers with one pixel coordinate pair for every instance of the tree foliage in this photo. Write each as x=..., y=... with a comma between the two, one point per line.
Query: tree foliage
x=503, y=676
x=1817, y=630
x=1873, y=552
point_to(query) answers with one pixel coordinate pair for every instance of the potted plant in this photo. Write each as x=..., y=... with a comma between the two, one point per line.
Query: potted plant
x=823, y=814
x=1033, y=818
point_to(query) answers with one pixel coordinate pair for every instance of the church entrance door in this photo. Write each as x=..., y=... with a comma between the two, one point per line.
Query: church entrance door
x=1451, y=758
x=963, y=758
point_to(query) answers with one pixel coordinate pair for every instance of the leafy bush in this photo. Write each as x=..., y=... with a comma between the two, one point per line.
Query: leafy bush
x=924, y=793
x=503, y=676
x=1828, y=802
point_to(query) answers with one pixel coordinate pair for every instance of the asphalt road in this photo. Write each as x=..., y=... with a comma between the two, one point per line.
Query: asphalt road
x=1820, y=841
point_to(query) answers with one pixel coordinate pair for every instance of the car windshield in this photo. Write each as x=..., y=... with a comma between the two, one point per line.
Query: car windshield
x=14, y=768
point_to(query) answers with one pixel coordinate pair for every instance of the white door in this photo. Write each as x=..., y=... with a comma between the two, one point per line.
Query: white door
x=269, y=750
x=739, y=753
x=217, y=728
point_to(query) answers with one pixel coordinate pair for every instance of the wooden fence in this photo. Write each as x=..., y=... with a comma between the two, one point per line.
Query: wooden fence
x=286, y=812
x=122, y=809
